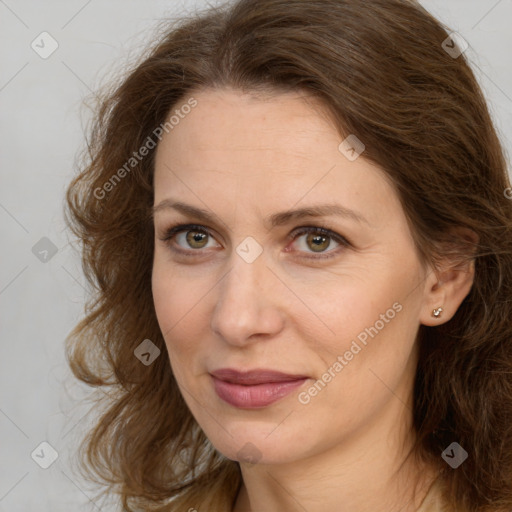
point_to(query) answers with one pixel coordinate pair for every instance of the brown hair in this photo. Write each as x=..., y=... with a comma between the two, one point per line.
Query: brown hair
x=381, y=70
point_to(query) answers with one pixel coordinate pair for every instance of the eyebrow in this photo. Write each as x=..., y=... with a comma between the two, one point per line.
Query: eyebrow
x=276, y=219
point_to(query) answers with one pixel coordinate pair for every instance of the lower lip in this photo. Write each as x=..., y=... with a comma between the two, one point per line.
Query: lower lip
x=256, y=396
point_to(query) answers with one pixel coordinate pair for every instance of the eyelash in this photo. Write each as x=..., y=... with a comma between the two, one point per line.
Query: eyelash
x=320, y=230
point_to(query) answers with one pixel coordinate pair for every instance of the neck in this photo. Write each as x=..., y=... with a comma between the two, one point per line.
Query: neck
x=372, y=472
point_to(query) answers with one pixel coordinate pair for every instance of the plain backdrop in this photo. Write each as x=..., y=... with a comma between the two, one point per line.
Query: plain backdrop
x=41, y=131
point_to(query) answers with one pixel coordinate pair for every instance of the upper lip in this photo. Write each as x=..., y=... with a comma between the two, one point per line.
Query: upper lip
x=256, y=376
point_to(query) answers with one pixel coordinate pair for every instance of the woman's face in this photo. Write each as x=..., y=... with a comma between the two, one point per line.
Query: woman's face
x=248, y=288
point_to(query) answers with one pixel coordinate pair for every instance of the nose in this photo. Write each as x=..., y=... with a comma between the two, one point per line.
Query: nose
x=247, y=307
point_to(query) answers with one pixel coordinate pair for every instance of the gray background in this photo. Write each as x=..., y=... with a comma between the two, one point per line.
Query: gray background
x=41, y=131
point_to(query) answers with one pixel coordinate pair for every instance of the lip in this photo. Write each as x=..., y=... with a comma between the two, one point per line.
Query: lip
x=254, y=388
x=254, y=377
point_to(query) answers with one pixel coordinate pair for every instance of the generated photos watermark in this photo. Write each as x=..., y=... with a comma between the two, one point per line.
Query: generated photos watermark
x=341, y=361
x=149, y=144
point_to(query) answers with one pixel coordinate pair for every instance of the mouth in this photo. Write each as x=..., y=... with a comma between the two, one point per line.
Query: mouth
x=255, y=388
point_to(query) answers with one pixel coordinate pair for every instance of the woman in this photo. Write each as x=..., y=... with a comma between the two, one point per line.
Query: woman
x=296, y=217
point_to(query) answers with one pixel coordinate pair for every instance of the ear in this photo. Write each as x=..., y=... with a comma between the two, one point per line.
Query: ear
x=450, y=282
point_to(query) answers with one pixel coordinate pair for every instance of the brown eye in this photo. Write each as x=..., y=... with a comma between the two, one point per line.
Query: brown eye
x=196, y=239
x=318, y=243
x=189, y=237
x=318, y=240
x=311, y=240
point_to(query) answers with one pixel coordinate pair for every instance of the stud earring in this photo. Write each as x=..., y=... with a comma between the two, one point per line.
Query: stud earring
x=437, y=312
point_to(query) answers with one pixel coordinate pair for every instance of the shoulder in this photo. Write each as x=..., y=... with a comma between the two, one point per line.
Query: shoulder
x=434, y=501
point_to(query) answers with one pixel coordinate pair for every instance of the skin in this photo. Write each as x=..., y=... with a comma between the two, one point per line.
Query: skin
x=243, y=158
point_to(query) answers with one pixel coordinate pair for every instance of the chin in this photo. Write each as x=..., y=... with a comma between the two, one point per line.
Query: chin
x=253, y=444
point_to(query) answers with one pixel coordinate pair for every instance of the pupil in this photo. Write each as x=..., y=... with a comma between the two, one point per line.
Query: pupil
x=319, y=242
x=195, y=237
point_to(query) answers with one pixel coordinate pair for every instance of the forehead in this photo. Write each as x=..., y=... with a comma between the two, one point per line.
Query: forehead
x=231, y=121
x=282, y=148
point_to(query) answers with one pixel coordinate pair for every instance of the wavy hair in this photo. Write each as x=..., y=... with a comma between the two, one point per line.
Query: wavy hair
x=382, y=71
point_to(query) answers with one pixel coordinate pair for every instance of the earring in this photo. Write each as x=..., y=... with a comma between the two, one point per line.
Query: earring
x=437, y=312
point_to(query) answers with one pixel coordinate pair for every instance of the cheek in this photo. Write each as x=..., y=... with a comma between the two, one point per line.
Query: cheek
x=369, y=314
x=369, y=356
x=173, y=295
x=170, y=300
x=340, y=304
x=163, y=297
x=179, y=303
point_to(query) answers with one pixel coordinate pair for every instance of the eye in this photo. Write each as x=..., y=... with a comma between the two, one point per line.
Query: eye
x=188, y=236
x=316, y=240
x=191, y=238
